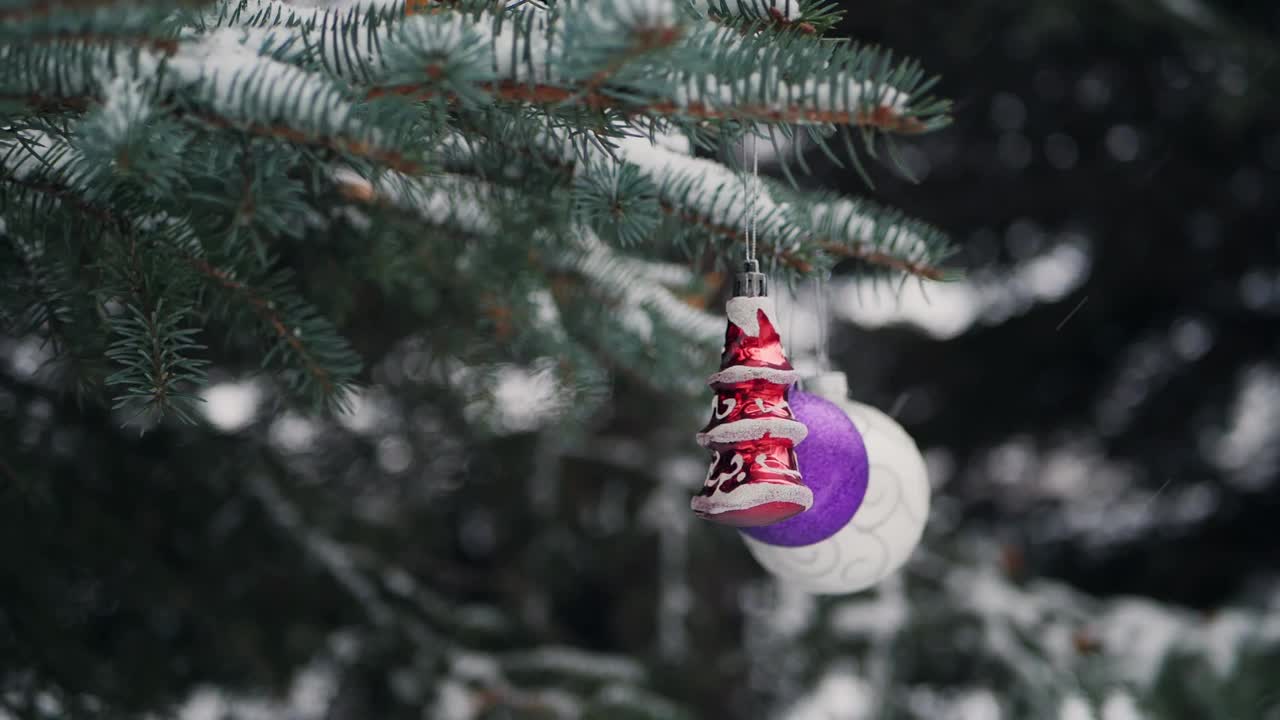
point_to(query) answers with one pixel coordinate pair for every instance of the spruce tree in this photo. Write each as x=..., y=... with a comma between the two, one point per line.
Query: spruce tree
x=428, y=249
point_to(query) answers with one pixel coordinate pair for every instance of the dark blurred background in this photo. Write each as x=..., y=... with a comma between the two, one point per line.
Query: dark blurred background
x=1113, y=176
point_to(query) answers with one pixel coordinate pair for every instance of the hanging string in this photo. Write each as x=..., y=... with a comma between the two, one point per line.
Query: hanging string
x=820, y=301
x=753, y=198
x=755, y=194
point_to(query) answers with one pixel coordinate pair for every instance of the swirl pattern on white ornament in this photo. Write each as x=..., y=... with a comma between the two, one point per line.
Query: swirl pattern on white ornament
x=860, y=559
x=883, y=532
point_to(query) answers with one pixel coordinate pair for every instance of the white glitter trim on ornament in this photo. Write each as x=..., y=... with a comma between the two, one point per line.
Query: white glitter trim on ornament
x=742, y=312
x=745, y=497
x=744, y=373
x=753, y=429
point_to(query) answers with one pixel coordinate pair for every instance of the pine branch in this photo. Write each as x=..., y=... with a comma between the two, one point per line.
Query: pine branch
x=338, y=145
x=44, y=298
x=346, y=42
x=266, y=309
x=623, y=277
x=713, y=75
x=792, y=225
x=632, y=287
x=702, y=193
x=794, y=78
x=261, y=95
x=154, y=347
x=217, y=81
x=644, y=41
x=65, y=194
x=451, y=200
x=711, y=227
x=324, y=358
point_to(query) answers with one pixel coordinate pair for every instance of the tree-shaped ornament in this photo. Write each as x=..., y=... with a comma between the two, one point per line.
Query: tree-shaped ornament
x=754, y=479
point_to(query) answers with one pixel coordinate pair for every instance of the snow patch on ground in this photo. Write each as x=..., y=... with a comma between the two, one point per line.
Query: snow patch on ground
x=840, y=693
x=231, y=406
x=1120, y=706
x=1142, y=633
x=572, y=661
x=1223, y=638
x=975, y=705
x=990, y=595
x=368, y=411
x=1249, y=447
x=523, y=398
x=293, y=432
x=28, y=355
x=310, y=694
x=927, y=703
x=880, y=616
x=1075, y=707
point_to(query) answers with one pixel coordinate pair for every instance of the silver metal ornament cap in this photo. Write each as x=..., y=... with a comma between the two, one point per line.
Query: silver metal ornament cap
x=751, y=282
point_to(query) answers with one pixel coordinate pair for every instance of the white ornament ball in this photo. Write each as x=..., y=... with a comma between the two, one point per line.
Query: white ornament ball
x=887, y=525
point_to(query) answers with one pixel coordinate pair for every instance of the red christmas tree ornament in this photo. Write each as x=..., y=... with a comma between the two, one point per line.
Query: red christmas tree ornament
x=753, y=479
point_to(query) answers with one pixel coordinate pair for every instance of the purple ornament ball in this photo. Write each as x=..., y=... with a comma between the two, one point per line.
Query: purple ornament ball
x=833, y=461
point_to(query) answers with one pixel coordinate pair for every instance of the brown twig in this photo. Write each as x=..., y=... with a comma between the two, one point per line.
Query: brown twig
x=776, y=20
x=45, y=8
x=412, y=7
x=50, y=103
x=783, y=21
x=360, y=148
x=883, y=117
x=66, y=195
x=138, y=285
x=883, y=259
x=267, y=312
x=247, y=206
